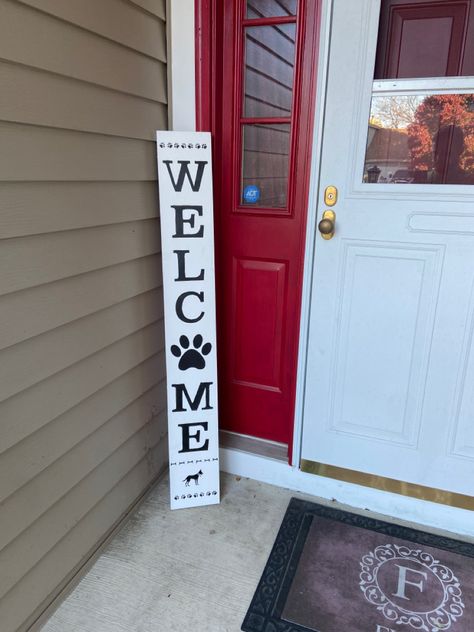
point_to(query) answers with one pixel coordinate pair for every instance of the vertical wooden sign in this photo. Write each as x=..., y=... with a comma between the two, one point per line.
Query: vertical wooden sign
x=187, y=241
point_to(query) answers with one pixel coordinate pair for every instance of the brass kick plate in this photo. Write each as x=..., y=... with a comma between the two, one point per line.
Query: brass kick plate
x=421, y=492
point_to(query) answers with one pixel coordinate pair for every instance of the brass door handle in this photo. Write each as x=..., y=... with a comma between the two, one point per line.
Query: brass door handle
x=327, y=225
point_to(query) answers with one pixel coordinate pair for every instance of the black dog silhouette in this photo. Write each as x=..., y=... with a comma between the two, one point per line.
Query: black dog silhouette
x=192, y=477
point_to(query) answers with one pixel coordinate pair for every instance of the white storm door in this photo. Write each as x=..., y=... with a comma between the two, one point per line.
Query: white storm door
x=390, y=367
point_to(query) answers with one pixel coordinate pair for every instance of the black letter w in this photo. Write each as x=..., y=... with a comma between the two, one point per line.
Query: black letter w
x=184, y=172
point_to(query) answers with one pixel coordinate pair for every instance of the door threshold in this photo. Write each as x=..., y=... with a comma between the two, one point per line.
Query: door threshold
x=420, y=513
x=253, y=445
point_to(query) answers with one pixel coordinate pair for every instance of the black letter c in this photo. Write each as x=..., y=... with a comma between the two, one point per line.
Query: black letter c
x=179, y=306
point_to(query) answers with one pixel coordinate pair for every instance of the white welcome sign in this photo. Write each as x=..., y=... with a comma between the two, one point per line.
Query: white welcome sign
x=187, y=239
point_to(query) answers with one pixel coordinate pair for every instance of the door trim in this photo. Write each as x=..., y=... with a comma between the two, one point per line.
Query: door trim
x=181, y=54
x=311, y=224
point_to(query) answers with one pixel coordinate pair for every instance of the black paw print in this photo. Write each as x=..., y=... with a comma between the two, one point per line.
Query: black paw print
x=191, y=358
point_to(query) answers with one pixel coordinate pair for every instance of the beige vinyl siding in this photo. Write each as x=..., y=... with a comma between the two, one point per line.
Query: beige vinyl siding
x=82, y=374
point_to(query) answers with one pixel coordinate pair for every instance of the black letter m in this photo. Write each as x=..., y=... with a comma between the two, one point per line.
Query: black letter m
x=184, y=172
x=204, y=388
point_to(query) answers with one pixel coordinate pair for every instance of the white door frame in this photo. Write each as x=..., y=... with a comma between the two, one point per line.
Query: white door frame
x=311, y=223
x=180, y=33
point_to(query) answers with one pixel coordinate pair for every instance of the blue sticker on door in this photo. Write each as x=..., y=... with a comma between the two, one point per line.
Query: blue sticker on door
x=251, y=194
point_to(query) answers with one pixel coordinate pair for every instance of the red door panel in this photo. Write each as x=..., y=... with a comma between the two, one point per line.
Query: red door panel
x=259, y=296
x=265, y=57
x=425, y=39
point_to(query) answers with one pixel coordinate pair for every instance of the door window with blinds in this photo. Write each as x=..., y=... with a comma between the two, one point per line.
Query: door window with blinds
x=269, y=31
x=421, y=123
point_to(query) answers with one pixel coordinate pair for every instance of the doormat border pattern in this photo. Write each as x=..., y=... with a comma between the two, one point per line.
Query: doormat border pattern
x=264, y=613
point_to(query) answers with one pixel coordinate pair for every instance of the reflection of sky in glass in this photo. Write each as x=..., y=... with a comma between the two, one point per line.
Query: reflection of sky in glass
x=421, y=139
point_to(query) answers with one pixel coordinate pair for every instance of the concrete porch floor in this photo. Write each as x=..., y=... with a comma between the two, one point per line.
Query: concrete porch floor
x=189, y=570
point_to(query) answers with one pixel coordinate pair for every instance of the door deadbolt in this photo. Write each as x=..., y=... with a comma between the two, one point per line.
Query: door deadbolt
x=327, y=225
x=330, y=195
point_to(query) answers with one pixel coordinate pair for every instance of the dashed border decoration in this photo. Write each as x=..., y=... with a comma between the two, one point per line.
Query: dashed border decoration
x=194, y=462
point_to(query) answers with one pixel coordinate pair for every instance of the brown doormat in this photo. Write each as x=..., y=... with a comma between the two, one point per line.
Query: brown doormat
x=334, y=571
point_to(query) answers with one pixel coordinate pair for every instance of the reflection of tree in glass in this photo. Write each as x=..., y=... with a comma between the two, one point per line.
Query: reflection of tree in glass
x=395, y=112
x=437, y=119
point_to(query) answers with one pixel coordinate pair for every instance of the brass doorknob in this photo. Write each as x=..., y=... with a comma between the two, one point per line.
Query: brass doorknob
x=327, y=225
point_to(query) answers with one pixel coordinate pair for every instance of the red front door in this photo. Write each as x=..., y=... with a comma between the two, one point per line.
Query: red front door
x=263, y=112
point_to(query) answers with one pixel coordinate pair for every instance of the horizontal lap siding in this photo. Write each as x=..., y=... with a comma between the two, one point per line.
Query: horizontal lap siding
x=82, y=373
x=37, y=97
x=52, y=44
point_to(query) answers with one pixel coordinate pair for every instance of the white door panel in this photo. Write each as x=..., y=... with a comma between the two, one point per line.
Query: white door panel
x=374, y=312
